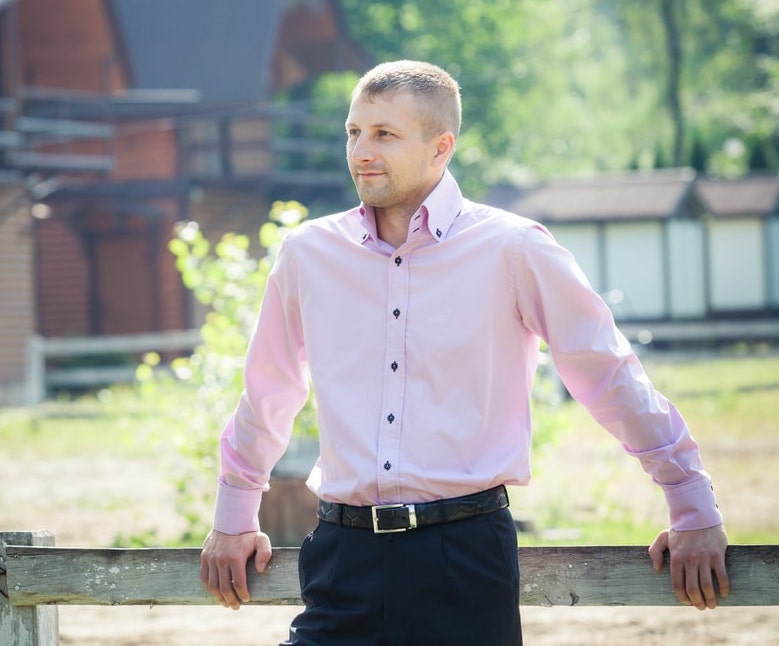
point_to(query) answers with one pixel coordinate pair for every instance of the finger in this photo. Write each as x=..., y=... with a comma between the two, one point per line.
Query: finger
x=722, y=578
x=693, y=587
x=212, y=583
x=228, y=579
x=678, y=584
x=210, y=578
x=261, y=560
x=657, y=550
x=707, y=589
x=239, y=584
x=204, y=570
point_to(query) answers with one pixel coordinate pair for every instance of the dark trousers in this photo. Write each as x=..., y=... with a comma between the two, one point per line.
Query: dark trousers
x=454, y=583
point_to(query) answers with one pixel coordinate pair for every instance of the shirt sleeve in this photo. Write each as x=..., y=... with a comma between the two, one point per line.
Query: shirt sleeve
x=598, y=366
x=275, y=390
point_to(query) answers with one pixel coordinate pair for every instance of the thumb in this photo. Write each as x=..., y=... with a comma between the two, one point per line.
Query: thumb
x=263, y=551
x=657, y=549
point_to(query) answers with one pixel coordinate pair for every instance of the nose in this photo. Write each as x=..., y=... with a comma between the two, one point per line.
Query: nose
x=359, y=150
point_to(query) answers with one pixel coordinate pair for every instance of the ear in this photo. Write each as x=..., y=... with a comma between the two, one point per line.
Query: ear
x=444, y=148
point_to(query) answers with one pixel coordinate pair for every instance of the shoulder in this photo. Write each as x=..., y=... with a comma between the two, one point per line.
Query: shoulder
x=501, y=224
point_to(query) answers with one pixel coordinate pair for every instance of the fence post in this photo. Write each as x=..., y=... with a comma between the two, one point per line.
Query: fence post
x=35, y=371
x=26, y=625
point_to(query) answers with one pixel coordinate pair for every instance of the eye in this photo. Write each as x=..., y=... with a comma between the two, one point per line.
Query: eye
x=352, y=132
x=384, y=133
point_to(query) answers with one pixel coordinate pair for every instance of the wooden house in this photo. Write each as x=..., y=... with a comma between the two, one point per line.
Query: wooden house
x=122, y=117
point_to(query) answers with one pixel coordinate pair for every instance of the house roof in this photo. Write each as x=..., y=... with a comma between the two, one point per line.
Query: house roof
x=220, y=49
x=234, y=51
x=756, y=196
x=624, y=196
x=190, y=57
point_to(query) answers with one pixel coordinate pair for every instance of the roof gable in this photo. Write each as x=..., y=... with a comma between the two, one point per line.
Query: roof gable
x=756, y=196
x=623, y=196
x=223, y=50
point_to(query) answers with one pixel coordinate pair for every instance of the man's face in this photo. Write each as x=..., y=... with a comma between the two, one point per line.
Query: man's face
x=391, y=159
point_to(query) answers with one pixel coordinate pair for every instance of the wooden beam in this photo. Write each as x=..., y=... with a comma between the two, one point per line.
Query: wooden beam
x=142, y=342
x=64, y=128
x=64, y=161
x=34, y=625
x=551, y=576
x=89, y=377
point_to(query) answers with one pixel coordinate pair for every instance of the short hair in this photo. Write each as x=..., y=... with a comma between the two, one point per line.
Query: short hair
x=436, y=90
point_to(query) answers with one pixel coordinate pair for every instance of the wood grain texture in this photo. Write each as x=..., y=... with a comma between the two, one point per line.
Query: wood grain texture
x=25, y=625
x=564, y=576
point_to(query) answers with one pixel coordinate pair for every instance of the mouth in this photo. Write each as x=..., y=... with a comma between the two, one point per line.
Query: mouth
x=368, y=174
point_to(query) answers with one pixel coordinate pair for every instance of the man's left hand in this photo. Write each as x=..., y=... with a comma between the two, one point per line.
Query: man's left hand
x=695, y=555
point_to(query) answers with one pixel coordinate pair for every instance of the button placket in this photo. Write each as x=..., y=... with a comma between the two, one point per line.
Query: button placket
x=391, y=428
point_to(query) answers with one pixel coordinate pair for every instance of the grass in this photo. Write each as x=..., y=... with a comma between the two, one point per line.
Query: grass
x=106, y=422
x=591, y=492
x=585, y=489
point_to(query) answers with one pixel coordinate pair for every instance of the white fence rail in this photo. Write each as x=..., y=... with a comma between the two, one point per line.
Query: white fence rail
x=39, y=378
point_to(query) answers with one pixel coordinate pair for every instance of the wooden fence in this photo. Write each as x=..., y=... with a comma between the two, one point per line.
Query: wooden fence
x=39, y=349
x=36, y=576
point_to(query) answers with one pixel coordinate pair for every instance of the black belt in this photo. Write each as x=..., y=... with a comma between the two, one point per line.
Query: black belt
x=400, y=517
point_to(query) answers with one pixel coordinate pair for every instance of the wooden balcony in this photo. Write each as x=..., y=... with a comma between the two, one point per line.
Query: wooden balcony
x=276, y=145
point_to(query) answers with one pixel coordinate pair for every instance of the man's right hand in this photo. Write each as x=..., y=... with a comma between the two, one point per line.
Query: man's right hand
x=223, y=564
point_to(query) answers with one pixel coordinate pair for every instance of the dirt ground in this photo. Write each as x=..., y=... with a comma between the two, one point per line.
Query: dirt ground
x=87, y=502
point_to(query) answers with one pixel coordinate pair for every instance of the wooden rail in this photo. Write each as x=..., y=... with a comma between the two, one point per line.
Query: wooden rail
x=35, y=576
x=40, y=349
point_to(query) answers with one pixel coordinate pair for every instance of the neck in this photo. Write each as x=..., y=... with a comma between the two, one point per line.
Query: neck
x=392, y=225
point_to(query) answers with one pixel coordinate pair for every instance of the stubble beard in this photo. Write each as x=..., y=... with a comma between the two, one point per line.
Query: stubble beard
x=375, y=195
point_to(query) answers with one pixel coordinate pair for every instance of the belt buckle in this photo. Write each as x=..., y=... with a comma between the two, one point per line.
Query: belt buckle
x=412, y=518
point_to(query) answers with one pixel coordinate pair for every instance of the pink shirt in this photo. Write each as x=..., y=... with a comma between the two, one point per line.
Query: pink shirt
x=422, y=359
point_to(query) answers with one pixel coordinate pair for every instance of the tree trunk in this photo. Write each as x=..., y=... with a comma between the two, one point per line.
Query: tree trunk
x=674, y=50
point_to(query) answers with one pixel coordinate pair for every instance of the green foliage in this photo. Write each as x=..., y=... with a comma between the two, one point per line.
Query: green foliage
x=230, y=283
x=567, y=86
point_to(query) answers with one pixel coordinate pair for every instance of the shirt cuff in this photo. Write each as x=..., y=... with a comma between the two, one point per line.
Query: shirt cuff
x=692, y=505
x=237, y=510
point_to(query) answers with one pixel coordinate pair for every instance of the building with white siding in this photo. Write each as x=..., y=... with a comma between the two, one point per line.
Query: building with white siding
x=668, y=247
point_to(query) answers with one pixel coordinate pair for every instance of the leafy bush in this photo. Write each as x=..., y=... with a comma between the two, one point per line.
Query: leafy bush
x=230, y=283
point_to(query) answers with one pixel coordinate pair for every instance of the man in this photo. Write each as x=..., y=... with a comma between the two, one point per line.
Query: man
x=418, y=316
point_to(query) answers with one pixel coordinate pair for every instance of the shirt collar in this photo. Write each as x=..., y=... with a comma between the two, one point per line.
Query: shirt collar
x=441, y=207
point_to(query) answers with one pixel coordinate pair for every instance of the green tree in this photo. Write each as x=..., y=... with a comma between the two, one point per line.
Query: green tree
x=718, y=71
x=561, y=86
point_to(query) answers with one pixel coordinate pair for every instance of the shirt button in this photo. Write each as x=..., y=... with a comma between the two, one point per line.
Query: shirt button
x=398, y=260
x=394, y=366
x=387, y=465
x=438, y=232
x=390, y=418
x=396, y=312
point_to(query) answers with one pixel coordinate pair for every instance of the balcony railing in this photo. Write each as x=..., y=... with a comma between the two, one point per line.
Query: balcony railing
x=281, y=144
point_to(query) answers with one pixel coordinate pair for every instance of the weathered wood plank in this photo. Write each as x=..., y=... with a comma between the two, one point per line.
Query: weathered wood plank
x=25, y=626
x=83, y=576
x=623, y=576
x=581, y=576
